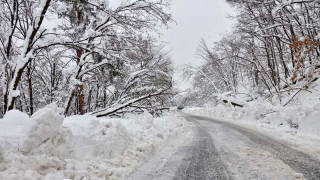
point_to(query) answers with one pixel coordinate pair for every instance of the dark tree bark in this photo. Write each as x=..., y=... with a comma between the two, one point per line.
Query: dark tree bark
x=29, y=78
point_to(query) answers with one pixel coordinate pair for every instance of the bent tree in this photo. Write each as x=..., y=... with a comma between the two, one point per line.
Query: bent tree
x=76, y=53
x=20, y=32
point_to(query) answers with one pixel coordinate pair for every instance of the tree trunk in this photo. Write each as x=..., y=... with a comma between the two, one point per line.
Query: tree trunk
x=80, y=88
x=69, y=103
x=30, y=90
x=14, y=83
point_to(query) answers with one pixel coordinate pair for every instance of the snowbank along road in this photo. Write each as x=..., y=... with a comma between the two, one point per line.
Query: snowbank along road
x=213, y=149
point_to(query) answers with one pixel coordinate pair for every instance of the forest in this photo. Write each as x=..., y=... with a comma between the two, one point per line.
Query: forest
x=89, y=89
x=84, y=55
x=273, y=51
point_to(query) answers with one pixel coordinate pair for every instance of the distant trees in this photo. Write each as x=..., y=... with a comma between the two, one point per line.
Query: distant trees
x=79, y=53
x=274, y=48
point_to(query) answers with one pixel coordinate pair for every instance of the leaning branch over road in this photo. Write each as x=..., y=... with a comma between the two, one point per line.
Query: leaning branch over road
x=117, y=107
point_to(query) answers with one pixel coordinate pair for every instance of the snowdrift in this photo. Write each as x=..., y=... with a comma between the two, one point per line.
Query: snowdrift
x=47, y=146
x=292, y=120
x=299, y=116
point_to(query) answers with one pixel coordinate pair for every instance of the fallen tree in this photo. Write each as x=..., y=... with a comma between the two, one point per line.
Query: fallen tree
x=114, y=109
x=145, y=90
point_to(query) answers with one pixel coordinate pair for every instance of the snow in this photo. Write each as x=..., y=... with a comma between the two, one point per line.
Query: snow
x=15, y=93
x=311, y=125
x=297, y=124
x=49, y=146
x=13, y=122
x=46, y=126
x=140, y=5
x=15, y=117
x=117, y=106
x=295, y=121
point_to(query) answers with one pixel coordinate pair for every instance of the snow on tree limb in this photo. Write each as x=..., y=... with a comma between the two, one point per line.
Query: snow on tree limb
x=117, y=107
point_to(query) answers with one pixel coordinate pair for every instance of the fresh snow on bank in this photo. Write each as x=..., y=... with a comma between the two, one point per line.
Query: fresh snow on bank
x=296, y=121
x=13, y=122
x=49, y=146
x=297, y=125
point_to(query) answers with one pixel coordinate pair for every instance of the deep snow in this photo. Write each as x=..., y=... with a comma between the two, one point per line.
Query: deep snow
x=297, y=124
x=296, y=120
x=49, y=146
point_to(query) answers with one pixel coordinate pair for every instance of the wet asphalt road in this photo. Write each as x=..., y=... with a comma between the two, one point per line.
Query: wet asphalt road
x=218, y=150
x=202, y=160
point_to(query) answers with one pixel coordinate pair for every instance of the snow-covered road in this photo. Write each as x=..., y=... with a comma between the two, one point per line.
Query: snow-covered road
x=213, y=149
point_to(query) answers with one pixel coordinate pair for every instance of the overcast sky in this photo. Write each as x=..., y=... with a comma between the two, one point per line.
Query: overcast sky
x=195, y=19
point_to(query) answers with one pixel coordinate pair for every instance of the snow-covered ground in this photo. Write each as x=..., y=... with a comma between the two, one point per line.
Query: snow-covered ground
x=297, y=123
x=49, y=146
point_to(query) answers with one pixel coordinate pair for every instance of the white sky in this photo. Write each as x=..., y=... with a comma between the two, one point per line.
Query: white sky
x=195, y=19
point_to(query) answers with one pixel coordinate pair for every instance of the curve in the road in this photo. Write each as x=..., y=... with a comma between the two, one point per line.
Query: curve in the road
x=297, y=160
